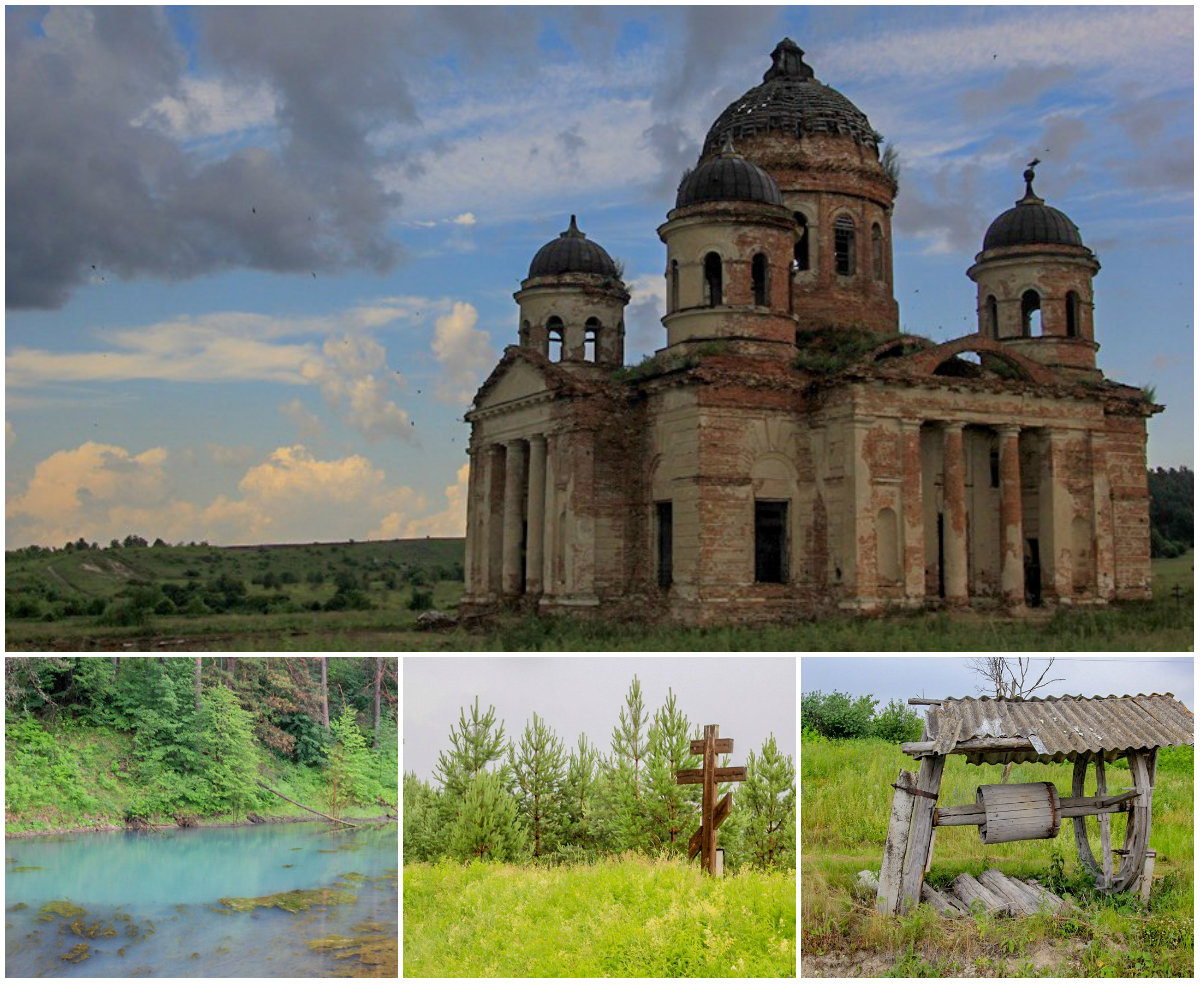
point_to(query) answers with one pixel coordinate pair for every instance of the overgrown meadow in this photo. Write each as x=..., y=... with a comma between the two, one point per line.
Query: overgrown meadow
x=847, y=797
x=630, y=916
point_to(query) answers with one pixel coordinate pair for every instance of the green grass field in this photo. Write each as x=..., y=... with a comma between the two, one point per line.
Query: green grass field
x=845, y=803
x=627, y=917
x=1165, y=623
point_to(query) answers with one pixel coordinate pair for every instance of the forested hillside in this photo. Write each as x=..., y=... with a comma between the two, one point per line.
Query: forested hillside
x=528, y=797
x=111, y=741
x=1172, y=503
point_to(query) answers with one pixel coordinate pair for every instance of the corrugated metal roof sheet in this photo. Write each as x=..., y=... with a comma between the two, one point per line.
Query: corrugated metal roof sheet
x=1062, y=728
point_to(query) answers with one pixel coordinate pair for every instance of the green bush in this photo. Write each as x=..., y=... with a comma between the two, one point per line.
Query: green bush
x=897, y=722
x=836, y=714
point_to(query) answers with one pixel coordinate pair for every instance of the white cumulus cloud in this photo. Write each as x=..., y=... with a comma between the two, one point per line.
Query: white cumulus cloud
x=464, y=352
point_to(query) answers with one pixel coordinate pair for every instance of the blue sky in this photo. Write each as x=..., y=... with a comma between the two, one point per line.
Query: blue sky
x=258, y=260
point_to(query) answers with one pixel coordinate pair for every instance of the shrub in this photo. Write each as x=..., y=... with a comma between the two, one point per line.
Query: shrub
x=897, y=722
x=837, y=715
x=421, y=600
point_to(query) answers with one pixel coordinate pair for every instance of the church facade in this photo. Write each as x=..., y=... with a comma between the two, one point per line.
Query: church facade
x=788, y=450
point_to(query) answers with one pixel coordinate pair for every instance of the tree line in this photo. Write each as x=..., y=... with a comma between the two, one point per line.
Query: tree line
x=202, y=729
x=1172, y=502
x=532, y=799
x=839, y=715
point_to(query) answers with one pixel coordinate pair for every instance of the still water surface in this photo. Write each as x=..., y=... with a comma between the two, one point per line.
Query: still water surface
x=151, y=904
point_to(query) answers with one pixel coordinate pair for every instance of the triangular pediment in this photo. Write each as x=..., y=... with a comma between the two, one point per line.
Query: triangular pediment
x=514, y=381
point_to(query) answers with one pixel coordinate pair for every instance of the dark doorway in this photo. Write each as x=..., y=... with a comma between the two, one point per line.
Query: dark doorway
x=664, y=522
x=941, y=556
x=770, y=542
x=1033, y=573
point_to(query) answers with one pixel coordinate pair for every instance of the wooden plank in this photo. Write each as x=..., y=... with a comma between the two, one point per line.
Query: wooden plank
x=733, y=773
x=922, y=748
x=1035, y=900
x=929, y=780
x=708, y=832
x=1105, y=832
x=1018, y=903
x=892, y=870
x=724, y=746
x=971, y=891
x=921, y=701
x=719, y=815
x=1056, y=904
x=945, y=908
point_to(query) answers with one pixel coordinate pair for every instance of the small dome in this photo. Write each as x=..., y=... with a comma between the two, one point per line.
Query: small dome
x=572, y=252
x=1031, y=222
x=792, y=102
x=728, y=177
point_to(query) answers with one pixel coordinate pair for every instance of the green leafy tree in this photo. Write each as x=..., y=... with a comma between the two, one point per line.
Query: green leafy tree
x=487, y=826
x=671, y=809
x=424, y=833
x=349, y=778
x=769, y=795
x=475, y=743
x=538, y=769
x=837, y=715
x=897, y=722
x=579, y=790
x=227, y=740
x=629, y=736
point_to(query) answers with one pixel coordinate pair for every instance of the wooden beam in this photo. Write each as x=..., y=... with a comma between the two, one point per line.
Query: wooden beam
x=719, y=815
x=918, y=701
x=708, y=830
x=929, y=780
x=724, y=746
x=891, y=871
x=1071, y=806
x=734, y=773
x=919, y=749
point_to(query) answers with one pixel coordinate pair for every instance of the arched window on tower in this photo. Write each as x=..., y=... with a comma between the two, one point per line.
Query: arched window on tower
x=591, y=331
x=843, y=246
x=1072, y=314
x=673, y=304
x=876, y=252
x=991, y=325
x=758, y=279
x=800, y=250
x=523, y=340
x=712, y=280
x=554, y=339
x=1031, y=314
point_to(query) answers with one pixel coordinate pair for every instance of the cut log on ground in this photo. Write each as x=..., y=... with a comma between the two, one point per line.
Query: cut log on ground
x=303, y=807
x=1019, y=904
x=971, y=891
x=946, y=905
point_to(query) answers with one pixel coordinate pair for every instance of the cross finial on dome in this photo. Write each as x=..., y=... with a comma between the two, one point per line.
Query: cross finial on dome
x=1030, y=198
x=787, y=62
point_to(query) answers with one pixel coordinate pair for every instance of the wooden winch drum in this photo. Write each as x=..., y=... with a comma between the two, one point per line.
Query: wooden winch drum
x=1023, y=811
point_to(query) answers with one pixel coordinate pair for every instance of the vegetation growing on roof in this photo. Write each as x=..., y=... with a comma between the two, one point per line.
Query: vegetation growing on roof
x=829, y=350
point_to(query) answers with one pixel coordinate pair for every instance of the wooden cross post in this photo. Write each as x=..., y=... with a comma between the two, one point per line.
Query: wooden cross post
x=712, y=813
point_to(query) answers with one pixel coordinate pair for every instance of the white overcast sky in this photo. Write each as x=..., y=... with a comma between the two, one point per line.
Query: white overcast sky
x=749, y=697
x=903, y=677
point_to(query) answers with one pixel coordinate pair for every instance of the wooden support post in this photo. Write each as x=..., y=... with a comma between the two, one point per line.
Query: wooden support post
x=891, y=872
x=1147, y=879
x=920, y=841
x=1105, y=833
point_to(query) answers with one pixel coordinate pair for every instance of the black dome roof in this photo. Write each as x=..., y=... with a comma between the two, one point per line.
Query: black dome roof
x=790, y=101
x=728, y=177
x=1031, y=222
x=572, y=252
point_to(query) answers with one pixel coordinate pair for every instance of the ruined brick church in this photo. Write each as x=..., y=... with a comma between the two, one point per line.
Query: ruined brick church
x=788, y=449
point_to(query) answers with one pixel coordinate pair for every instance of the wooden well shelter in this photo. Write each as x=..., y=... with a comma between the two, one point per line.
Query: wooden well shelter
x=1091, y=732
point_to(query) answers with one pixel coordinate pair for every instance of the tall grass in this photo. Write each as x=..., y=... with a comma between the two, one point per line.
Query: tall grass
x=623, y=917
x=846, y=797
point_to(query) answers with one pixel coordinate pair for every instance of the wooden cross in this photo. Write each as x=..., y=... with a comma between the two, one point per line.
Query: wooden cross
x=712, y=813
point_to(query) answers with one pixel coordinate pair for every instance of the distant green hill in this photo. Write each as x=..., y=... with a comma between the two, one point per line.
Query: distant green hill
x=52, y=584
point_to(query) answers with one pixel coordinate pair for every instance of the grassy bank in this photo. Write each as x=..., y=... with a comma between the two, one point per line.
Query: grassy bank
x=846, y=799
x=77, y=777
x=629, y=917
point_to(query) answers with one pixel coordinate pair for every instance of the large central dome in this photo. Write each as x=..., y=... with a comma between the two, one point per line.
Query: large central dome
x=790, y=102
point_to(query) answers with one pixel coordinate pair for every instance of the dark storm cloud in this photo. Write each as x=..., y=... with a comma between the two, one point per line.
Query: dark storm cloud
x=91, y=184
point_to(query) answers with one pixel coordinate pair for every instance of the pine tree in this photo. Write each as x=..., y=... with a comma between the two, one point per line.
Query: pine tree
x=671, y=808
x=769, y=794
x=579, y=790
x=227, y=738
x=629, y=738
x=424, y=833
x=537, y=767
x=487, y=826
x=476, y=743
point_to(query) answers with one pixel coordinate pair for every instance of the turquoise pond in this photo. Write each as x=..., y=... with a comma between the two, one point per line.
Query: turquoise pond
x=148, y=904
